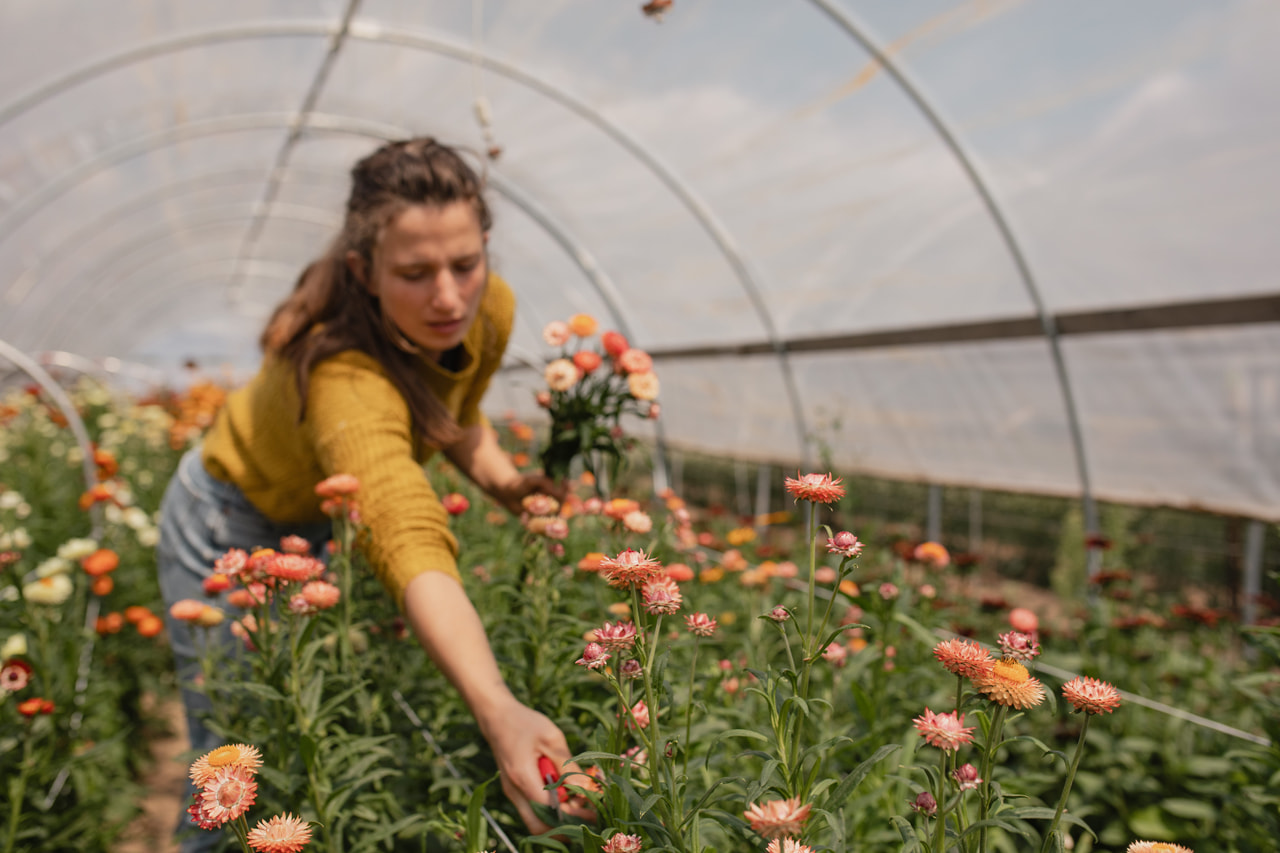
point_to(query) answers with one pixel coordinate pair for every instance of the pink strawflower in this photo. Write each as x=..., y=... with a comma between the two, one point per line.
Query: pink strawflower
x=964, y=657
x=787, y=845
x=280, y=834
x=966, y=776
x=825, y=574
x=779, y=614
x=630, y=669
x=635, y=361
x=593, y=657
x=845, y=544
x=818, y=488
x=14, y=675
x=1156, y=847
x=630, y=569
x=339, y=485
x=700, y=624
x=945, y=731
x=639, y=716
x=620, y=843
x=1019, y=646
x=637, y=755
x=321, y=594
x=1091, y=695
x=836, y=655
x=661, y=596
x=540, y=504
x=199, y=816
x=888, y=591
x=231, y=563
x=186, y=610
x=299, y=606
x=556, y=333
x=778, y=818
x=229, y=793
x=616, y=636
x=925, y=804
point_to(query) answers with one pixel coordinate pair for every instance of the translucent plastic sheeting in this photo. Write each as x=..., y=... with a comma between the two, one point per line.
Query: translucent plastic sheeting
x=744, y=172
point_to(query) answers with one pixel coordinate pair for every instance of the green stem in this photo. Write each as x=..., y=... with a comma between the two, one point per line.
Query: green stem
x=19, y=793
x=997, y=726
x=810, y=644
x=688, y=708
x=1066, y=789
x=940, y=831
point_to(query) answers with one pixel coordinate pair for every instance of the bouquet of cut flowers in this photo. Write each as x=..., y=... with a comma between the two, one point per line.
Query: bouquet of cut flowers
x=589, y=388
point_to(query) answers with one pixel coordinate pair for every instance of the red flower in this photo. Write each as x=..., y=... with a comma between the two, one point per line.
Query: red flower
x=35, y=705
x=455, y=504
x=586, y=360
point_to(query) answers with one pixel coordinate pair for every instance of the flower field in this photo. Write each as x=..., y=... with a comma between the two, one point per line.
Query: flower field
x=726, y=686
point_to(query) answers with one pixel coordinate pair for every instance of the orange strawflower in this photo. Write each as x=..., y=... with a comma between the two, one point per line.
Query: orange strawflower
x=100, y=562
x=103, y=585
x=933, y=553
x=964, y=657
x=231, y=755
x=583, y=325
x=281, y=834
x=149, y=626
x=1008, y=683
x=817, y=488
x=1156, y=847
x=136, y=613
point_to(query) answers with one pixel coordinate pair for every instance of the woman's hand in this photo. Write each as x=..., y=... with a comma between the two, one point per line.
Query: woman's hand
x=479, y=456
x=518, y=735
x=513, y=492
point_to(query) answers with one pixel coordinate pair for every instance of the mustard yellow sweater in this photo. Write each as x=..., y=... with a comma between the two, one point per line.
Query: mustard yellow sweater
x=357, y=423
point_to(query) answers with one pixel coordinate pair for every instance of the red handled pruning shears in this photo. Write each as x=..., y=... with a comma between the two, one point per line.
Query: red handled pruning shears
x=547, y=770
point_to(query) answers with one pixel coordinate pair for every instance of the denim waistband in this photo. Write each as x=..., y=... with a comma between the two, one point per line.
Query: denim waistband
x=197, y=480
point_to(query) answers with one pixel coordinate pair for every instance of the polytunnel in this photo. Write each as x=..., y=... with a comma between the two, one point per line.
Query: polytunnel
x=1010, y=245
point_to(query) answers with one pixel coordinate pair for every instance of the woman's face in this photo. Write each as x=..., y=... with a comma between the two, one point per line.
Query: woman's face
x=429, y=272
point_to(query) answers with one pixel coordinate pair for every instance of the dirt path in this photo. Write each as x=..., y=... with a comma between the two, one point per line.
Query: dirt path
x=152, y=831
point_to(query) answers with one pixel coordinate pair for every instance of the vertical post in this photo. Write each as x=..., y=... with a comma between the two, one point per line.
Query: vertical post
x=933, y=521
x=763, y=477
x=677, y=473
x=975, y=521
x=1253, y=540
x=743, y=489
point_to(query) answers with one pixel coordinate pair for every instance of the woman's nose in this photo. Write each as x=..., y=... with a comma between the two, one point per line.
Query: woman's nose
x=447, y=295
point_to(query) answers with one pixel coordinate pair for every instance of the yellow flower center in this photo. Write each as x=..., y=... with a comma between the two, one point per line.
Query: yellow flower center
x=1011, y=670
x=223, y=755
x=1161, y=847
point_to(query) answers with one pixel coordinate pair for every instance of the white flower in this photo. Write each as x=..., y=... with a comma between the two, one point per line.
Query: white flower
x=57, y=448
x=15, y=646
x=53, y=566
x=74, y=549
x=9, y=500
x=136, y=518
x=21, y=538
x=148, y=537
x=6, y=541
x=22, y=510
x=112, y=514
x=51, y=590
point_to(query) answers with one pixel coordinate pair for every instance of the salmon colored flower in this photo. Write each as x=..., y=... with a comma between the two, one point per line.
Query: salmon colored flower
x=338, y=486
x=825, y=574
x=679, y=572
x=630, y=669
x=932, y=553
x=1008, y=683
x=229, y=793
x=787, y=845
x=455, y=504
x=614, y=343
x=150, y=626
x=778, y=818
x=280, y=834
x=586, y=360
x=102, y=586
x=591, y=562
x=216, y=583
x=1023, y=620
x=618, y=508
x=619, y=843
x=1156, y=847
x=231, y=563
x=1091, y=695
x=639, y=716
x=637, y=522
x=14, y=675
x=321, y=594
x=136, y=613
x=210, y=617
x=239, y=755
x=199, y=816
x=661, y=596
x=186, y=610
x=779, y=614
x=583, y=325
x=700, y=624
x=964, y=657
x=540, y=504
x=945, y=731
x=643, y=386
x=616, y=636
x=635, y=361
x=294, y=568
x=593, y=657
x=100, y=562
x=817, y=488
x=630, y=569
x=556, y=333
x=836, y=655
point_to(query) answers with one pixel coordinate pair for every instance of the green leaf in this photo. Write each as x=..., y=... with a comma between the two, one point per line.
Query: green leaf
x=848, y=783
x=477, y=830
x=1189, y=809
x=1149, y=823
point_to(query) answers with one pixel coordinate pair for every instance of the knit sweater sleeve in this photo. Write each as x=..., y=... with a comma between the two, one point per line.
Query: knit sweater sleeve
x=360, y=425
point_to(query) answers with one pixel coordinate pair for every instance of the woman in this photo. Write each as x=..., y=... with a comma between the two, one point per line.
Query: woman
x=379, y=358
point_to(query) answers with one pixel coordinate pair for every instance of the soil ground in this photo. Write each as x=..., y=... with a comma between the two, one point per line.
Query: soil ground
x=166, y=783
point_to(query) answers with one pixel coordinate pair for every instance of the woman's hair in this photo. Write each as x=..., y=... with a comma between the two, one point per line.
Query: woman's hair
x=332, y=310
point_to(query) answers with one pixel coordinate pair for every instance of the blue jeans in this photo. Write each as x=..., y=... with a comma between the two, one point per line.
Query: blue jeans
x=201, y=518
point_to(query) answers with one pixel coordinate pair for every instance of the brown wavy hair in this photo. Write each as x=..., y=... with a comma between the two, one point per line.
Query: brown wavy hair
x=332, y=310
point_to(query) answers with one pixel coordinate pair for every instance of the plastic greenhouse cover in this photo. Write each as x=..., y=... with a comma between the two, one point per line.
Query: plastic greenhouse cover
x=740, y=178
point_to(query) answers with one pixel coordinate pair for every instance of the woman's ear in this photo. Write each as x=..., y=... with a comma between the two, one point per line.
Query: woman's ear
x=356, y=264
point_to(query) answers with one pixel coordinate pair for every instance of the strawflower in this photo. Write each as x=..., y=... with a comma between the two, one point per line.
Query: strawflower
x=321, y=594
x=280, y=834
x=964, y=658
x=630, y=569
x=817, y=488
x=932, y=553
x=661, y=596
x=583, y=325
x=1019, y=646
x=779, y=614
x=620, y=843
x=637, y=522
x=186, y=610
x=787, y=845
x=561, y=374
x=1156, y=847
x=616, y=636
x=231, y=563
x=639, y=716
x=700, y=624
x=230, y=755
x=35, y=705
x=845, y=544
x=635, y=361
x=593, y=657
x=1023, y=620
x=643, y=386
x=294, y=544
x=540, y=504
x=50, y=591
x=14, y=675
x=200, y=815
x=294, y=567
x=216, y=583
x=945, y=731
x=1008, y=683
x=778, y=818
x=586, y=360
x=630, y=669
x=339, y=485
x=1091, y=695
x=925, y=804
x=455, y=504
x=966, y=776
x=229, y=793
x=556, y=333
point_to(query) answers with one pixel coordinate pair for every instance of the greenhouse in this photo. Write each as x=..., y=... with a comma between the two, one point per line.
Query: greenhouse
x=609, y=426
